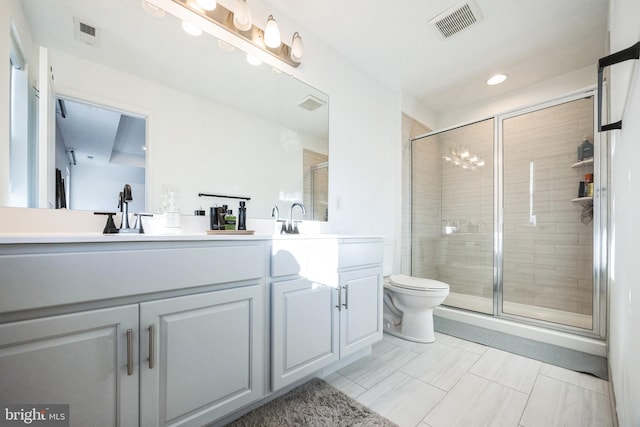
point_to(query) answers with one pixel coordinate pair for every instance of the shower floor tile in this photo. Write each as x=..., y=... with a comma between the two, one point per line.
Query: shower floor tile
x=455, y=382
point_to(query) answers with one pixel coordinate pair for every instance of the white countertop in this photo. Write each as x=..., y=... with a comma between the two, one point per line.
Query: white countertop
x=42, y=238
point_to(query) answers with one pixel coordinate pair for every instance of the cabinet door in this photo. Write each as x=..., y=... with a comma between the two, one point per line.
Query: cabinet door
x=78, y=359
x=304, y=328
x=361, y=310
x=201, y=356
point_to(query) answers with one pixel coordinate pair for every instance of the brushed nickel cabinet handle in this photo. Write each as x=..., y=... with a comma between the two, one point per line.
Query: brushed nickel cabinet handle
x=151, y=345
x=129, y=352
x=346, y=297
x=339, y=306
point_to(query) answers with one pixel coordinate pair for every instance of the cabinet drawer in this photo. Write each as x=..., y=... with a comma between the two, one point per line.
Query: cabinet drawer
x=360, y=253
x=31, y=281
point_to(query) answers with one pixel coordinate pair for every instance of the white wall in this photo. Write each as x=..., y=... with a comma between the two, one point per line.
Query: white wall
x=624, y=304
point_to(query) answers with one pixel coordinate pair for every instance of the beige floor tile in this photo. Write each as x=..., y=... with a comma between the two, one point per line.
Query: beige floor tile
x=402, y=399
x=576, y=378
x=462, y=344
x=441, y=365
x=508, y=369
x=372, y=369
x=557, y=403
x=476, y=401
x=345, y=385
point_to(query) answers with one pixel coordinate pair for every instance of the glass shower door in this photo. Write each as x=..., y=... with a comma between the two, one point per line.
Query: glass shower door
x=547, y=253
x=452, y=213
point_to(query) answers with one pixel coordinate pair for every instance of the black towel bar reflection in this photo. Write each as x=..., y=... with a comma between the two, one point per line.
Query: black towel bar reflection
x=627, y=54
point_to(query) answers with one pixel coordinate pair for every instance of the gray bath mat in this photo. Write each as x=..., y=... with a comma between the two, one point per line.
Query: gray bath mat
x=313, y=404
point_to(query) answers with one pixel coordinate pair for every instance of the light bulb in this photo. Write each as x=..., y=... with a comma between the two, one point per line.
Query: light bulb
x=271, y=33
x=297, y=47
x=242, y=16
x=191, y=29
x=207, y=4
x=497, y=79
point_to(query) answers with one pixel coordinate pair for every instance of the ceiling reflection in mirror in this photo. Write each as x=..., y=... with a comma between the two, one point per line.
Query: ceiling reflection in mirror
x=214, y=123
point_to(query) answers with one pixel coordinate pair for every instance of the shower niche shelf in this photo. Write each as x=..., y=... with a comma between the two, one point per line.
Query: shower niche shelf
x=583, y=199
x=585, y=162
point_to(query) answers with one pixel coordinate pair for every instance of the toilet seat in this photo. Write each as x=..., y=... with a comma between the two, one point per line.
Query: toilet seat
x=417, y=283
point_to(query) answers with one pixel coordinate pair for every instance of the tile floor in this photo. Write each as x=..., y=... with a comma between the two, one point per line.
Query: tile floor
x=453, y=382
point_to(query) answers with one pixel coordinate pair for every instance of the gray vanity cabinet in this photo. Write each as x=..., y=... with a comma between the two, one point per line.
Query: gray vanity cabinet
x=361, y=309
x=330, y=308
x=304, y=329
x=87, y=360
x=201, y=355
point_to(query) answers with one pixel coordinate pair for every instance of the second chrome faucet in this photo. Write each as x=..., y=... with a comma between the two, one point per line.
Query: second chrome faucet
x=290, y=226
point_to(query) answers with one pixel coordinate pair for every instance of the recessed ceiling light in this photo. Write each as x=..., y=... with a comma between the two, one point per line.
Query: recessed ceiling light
x=496, y=79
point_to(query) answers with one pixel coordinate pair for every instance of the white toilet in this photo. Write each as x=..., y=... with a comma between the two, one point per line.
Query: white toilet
x=408, y=306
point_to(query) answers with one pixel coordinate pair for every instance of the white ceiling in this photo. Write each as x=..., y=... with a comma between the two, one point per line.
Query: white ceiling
x=530, y=40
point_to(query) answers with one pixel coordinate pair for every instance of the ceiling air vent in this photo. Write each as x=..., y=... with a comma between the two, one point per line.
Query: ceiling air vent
x=85, y=32
x=456, y=19
x=311, y=103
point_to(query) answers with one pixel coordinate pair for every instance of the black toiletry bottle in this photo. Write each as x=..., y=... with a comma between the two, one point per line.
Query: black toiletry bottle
x=213, y=218
x=242, y=216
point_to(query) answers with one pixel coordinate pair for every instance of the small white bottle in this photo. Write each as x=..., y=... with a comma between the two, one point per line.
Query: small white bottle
x=172, y=213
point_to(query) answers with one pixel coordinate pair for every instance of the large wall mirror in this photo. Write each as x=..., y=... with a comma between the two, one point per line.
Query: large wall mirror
x=211, y=122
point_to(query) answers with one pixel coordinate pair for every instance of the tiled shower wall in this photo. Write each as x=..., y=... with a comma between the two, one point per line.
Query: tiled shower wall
x=549, y=263
x=453, y=210
x=546, y=265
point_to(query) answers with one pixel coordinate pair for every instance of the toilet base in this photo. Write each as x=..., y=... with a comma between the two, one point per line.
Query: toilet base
x=396, y=331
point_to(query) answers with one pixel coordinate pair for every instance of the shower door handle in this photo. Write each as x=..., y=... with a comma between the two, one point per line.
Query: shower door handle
x=632, y=52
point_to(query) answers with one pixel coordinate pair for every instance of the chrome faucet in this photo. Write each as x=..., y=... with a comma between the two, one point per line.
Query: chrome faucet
x=292, y=228
x=275, y=213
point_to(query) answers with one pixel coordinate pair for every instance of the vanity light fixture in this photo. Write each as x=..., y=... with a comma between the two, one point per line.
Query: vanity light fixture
x=272, y=33
x=207, y=4
x=242, y=16
x=496, y=79
x=236, y=23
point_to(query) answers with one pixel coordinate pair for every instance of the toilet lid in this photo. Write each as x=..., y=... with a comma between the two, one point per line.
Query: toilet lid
x=417, y=283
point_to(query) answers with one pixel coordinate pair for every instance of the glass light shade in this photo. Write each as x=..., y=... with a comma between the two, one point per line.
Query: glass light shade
x=297, y=47
x=242, y=16
x=191, y=29
x=272, y=33
x=207, y=4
